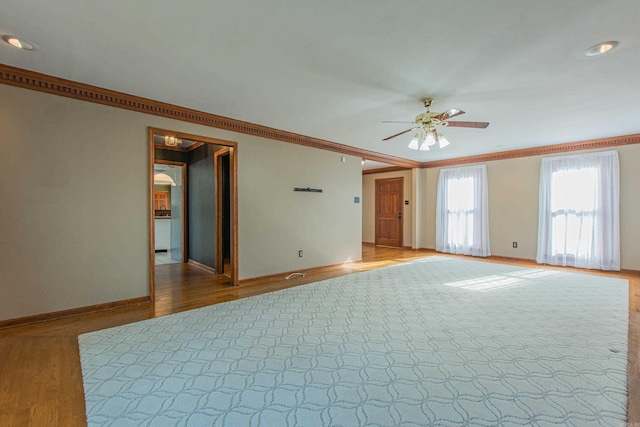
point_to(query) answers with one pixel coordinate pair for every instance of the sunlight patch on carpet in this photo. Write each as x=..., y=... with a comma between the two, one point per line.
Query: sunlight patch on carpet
x=436, y=341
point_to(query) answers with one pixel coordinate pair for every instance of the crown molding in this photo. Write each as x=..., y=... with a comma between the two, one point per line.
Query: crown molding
x=54, y=85
x=538, y=151
x=383, y=170
x=26, y=79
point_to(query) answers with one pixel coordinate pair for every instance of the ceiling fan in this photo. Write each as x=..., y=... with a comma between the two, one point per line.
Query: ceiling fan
x=426, y=126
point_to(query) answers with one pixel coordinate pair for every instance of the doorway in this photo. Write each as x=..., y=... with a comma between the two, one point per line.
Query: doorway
x=206, y=216
x=389, y=208
x=169, y=210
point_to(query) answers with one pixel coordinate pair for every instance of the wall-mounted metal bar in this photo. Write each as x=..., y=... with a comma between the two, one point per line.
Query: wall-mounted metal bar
x=309, y=190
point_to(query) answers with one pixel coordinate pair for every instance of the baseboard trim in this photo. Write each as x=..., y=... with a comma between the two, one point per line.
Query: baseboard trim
x=44, y=317
x=203, y=267
x=278, y=276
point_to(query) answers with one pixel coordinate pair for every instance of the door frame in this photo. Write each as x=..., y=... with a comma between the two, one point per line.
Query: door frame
x=377, y=227
x=219, y=263
x=233, y=181
x=183, y=208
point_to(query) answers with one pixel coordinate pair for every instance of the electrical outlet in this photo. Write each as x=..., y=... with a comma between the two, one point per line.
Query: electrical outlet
x=300, y=253
x=515, y=244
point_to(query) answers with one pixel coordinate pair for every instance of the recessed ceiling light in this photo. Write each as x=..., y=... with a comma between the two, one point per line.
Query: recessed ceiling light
x=21, y=43
x=600, y=48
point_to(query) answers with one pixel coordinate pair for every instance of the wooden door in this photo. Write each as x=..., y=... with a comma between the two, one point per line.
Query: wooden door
x=161, y=200
x=389, y=209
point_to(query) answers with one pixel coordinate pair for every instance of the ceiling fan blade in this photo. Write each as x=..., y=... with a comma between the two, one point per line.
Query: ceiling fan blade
x=399, y=133
x=391, y=121
x=448, y=114
x=477, y=125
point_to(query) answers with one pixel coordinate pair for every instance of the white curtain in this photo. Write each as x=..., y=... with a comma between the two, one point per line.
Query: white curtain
x=462, y=214
x=579, y=220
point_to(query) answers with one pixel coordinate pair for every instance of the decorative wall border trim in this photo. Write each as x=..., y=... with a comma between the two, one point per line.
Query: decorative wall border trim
x=44, y=83
x=385, y=169
x=539, y=151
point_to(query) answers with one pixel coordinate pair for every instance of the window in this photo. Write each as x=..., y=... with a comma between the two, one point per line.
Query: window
x=579, y=211
x=462, y=219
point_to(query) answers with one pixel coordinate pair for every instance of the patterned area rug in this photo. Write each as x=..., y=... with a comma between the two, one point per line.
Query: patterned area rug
x=438, y=341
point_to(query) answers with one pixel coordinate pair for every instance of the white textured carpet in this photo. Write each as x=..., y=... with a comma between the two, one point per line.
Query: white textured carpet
x=438, y=341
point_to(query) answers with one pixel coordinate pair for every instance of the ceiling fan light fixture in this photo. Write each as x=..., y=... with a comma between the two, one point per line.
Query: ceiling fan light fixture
x=600, y=48
x=428, y=124
x=414, y=142
x=442, y=141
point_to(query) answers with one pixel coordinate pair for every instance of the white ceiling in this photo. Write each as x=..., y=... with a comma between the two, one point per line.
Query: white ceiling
x=335, y=69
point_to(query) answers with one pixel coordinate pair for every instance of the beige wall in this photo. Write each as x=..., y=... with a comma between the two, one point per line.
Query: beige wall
x=276, y=222
x=369, y=200
x=74, y=213
x=513, y=206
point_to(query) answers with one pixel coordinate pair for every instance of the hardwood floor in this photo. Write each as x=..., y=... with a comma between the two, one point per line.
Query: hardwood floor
x=40, y=375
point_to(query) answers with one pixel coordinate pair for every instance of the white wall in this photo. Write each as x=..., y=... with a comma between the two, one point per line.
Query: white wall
x=369, y=208
x=74, y=212
x=513, y=206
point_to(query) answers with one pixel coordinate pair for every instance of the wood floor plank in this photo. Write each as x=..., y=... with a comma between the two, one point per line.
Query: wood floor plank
x=40, y=373
x=10, y=352
x=71, y=392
